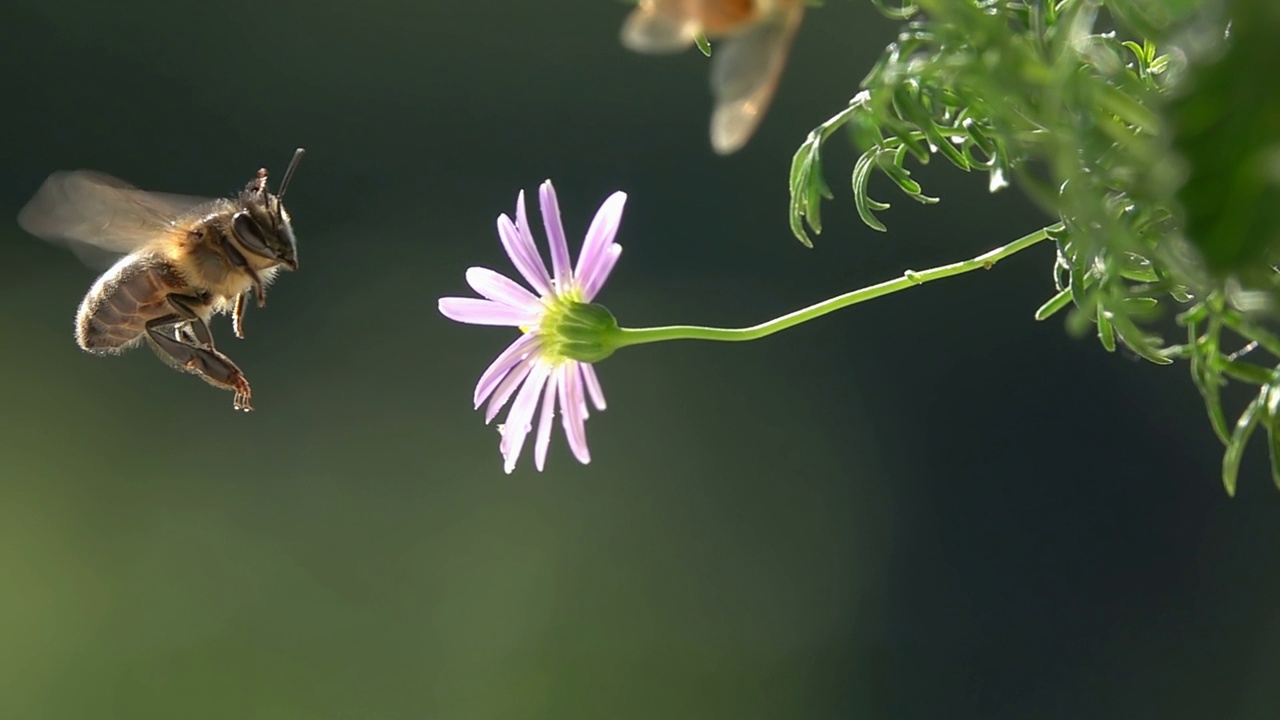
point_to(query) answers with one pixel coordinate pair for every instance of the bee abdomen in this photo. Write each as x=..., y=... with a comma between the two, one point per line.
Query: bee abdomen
x=114, y=314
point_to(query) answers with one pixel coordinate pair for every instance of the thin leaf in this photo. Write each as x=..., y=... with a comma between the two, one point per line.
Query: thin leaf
x=1139, y=306
x=1239, y=438
x=1208, y=382
x=1246, y=372
x=949, y=150
x=1148, y=347
x=1054, y=304
x=1106, y=333
x=902, y=176
x=863, y=202
x=904, y=11
x=1273, y=432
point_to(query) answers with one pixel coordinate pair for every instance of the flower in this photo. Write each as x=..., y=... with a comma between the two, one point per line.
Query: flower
x=562, y=333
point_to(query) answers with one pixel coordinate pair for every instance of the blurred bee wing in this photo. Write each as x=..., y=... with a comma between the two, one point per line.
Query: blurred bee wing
x=745, y=69
x=100, y=217
x=659, y=26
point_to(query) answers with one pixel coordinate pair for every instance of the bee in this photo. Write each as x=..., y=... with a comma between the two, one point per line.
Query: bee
x=184, y=260
x=745, y=67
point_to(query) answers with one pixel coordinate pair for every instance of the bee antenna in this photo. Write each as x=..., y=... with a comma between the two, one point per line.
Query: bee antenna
x=288, y=173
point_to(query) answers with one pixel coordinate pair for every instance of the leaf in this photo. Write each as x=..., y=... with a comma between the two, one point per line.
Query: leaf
x=979, y=137
x=863, y=202
x=806, y=182
x=911, y=106
x=1106, y=332
x=1273, y=432
x=1139, y=52
x=704, y=45
x=902, y=176
x=903, y=11
x=803, y=206
x=1076, y=277
x=1140, y=306
x=948, y=149
x=1137, y=268
x=797, y=208
x=1247, y=372
x=1239, y=438
x=1054, y=304
x=1207, y=380
x=1148, y=347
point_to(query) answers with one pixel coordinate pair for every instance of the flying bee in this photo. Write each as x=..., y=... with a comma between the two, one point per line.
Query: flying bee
x=185, y=259
x=745, y=67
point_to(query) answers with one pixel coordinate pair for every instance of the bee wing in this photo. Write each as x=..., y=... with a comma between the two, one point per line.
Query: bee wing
x=745, y=69
x=659, y=26
x=100, y=217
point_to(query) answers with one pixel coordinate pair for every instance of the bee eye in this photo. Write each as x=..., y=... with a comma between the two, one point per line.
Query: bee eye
x=250, y=234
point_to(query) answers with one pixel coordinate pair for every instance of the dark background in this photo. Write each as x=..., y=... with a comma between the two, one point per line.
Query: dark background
x=929, y=506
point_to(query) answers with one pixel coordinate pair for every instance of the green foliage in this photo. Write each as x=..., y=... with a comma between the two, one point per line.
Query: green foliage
x=1232, y=193
x=1147, y=132
x=704, y=45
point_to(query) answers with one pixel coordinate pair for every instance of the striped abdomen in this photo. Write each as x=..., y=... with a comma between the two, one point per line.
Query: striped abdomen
x=115, y=312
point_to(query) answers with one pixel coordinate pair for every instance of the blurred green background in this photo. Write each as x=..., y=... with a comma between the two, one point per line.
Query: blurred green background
x=925, y=507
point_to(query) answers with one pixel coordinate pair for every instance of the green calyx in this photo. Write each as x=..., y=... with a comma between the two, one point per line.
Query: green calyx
x=573, y=330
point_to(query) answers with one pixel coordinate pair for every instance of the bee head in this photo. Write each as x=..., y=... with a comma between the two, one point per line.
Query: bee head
x=262, y=225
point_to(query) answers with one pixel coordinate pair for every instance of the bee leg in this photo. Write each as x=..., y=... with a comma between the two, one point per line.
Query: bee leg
x=211, y=365
x=237, y=316
x=237, y=259
x=184, y=305
x=259, y=290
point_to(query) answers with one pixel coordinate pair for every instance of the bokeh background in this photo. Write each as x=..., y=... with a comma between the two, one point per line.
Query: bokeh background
x=928, y=506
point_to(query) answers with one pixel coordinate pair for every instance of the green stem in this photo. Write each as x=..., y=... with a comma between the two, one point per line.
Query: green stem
x=910, y=278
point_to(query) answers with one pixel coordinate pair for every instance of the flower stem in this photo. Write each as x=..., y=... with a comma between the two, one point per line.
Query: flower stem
x=910, y=278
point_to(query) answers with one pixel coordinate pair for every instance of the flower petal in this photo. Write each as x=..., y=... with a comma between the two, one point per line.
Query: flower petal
x=560, y=263
x=517, y=426
x=524, y=256
x=604, y=227
x=593, y=385
x=502, y=289
x=545, y=423
x=592, y=284
x=503, y=392
x=475, y=311
x=526, y=238
x=572, y=406
x=502, y=364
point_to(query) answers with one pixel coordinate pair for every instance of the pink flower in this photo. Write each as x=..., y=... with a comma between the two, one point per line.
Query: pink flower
x=549, y=365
